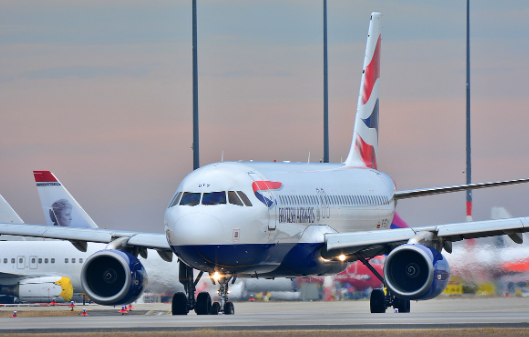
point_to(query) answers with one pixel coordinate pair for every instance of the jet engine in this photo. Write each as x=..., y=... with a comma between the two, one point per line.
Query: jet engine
x=113, y=277
x=416, y=272
x=41, y=289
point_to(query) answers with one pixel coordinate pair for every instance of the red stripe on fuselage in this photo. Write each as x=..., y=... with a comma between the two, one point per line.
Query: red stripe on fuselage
x=44, y=176
x=372, y=73
x=266, y=185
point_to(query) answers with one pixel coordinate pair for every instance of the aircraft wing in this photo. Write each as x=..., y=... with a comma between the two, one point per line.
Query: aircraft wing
x=377, y=242
x=456, y=188
x=133, y=239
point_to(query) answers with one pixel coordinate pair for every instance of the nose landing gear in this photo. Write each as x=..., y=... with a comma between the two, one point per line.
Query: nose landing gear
x=185, y=302
x=223, y=306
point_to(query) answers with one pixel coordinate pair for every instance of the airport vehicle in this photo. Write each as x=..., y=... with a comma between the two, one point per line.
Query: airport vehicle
x=267, y=220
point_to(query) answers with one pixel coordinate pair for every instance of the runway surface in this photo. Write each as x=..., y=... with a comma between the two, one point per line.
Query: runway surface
x=439, y=313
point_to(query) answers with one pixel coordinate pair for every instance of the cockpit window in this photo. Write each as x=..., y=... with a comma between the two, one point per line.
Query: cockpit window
x=214, y=198
x=244, y=198
x=175, y=200
x=190, y=199
x=234, y=199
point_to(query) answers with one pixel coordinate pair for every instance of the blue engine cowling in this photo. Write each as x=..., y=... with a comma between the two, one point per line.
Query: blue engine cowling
x=416, y=272
x=113, y=277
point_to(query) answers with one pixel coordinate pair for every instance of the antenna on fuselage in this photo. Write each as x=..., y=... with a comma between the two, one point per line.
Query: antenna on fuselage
x=308, y=161
x=222, y=157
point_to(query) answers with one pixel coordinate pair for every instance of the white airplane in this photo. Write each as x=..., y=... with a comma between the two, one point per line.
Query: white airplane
x=46, y=270
x=30, y=271
x=266, y=220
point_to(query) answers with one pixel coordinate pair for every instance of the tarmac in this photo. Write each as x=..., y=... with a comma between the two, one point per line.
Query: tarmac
x=458, y=312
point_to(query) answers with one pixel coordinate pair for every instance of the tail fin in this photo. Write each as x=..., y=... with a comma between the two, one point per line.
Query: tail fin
x=60, y=208
x=364, y=147
x=7, y=213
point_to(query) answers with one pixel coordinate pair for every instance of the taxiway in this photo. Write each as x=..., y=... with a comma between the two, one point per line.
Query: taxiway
x=439, y=313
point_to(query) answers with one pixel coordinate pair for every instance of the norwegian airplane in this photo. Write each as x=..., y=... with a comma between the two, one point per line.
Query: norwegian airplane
x=267, y=220
x=51, y=269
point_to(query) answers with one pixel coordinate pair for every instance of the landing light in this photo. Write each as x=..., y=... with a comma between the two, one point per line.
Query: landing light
x=341, y=257
x=216, y=276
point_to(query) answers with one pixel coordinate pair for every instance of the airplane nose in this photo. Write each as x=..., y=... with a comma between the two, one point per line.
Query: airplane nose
x=196, y=229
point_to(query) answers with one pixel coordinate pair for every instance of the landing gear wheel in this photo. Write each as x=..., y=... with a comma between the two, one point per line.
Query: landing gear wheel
x=179, y=305
x=401, y=304
x=203, y=306
x=215, y=308
x=377, y=301
x=229, y=308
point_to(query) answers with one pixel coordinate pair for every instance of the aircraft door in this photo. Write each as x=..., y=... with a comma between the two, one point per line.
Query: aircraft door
x=260, y=186
x=21, y=262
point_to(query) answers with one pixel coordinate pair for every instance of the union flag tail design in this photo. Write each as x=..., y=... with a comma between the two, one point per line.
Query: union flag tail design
x=60, y=208
x=364, y=147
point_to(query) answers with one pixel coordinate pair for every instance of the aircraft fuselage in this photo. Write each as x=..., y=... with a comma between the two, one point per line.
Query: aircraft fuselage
x=269, y=219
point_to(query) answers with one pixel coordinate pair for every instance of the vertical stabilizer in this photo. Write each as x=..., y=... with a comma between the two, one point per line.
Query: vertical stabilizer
x=60, y=208
x=7, y=213
x=364, y=147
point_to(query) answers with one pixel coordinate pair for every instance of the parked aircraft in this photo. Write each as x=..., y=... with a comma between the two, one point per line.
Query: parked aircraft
x=266, y=220
x=34, y=271
x=46, y=270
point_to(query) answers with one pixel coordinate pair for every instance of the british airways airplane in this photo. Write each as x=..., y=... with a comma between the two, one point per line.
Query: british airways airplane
x=267, y=220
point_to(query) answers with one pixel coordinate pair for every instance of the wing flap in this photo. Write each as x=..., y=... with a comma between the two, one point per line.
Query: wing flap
x=478, y=229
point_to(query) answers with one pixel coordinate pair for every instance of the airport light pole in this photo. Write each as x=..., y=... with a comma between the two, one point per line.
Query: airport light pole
x=325, y=89
x=469, y=162
x=196, y=156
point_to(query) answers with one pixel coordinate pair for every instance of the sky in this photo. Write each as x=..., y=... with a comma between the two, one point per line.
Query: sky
x=100, y=93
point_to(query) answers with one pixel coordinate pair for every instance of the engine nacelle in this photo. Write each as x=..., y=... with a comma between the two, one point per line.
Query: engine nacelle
x=43, y=289
x=416, y=272
x=113, y=277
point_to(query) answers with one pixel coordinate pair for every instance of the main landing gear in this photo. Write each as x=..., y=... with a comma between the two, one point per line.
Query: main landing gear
x=185, y=302
x=381, y=300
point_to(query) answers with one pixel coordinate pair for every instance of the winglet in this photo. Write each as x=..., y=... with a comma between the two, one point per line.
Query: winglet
x=60, y=208
x=364, y=146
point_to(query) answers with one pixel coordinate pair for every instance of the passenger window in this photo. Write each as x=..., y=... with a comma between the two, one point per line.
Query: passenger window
x=190, y=199
x=13, y=260
x=33, y=260
x=80, y=260
x=5, y=260
x=52, y=260
x=73, y=260
x=234, y=199
x=175, y=200
x=244, y=198
x=40, y=260
x=66, y=260
x=46, y=260
x=20, y=260
x=214, y=198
